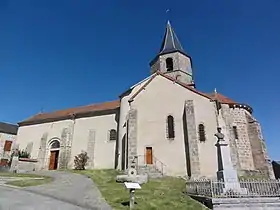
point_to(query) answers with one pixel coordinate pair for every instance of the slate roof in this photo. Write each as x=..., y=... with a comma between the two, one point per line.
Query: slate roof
x=170, y=41
x=71, y=112
x=8, y=128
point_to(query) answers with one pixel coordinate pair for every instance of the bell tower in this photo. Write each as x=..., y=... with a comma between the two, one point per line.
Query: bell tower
x=172, y=59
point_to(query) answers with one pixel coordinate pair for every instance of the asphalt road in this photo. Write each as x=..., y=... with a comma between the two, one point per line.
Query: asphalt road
x=17, y=199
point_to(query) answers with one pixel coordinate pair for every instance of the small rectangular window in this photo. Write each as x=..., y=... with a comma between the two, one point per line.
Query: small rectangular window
x=8, y=146
x=235, y=133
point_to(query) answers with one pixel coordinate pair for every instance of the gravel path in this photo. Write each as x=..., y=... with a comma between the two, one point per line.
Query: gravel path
x=71, y=188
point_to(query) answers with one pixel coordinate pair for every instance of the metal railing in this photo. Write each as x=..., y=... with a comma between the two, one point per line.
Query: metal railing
x=243, y=188
x=141, y=160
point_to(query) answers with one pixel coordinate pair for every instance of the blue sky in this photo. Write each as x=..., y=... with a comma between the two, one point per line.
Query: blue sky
x=59, y=54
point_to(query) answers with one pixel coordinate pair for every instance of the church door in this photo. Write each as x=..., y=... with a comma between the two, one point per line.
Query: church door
x=149, y=155
x=53, y=160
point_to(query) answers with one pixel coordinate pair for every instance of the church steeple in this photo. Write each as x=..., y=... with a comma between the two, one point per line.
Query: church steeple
x=172, y=58
x=170, y=42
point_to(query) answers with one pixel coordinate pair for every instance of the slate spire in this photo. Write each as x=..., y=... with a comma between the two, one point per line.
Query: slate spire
x=170, y=41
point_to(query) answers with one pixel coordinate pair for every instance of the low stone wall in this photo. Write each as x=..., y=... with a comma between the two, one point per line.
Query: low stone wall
x=246, y=203
x=26, y=165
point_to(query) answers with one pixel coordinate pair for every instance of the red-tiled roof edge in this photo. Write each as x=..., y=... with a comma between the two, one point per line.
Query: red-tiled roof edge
x=72, y=113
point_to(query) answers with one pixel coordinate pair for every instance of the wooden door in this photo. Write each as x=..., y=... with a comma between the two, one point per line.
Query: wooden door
x=52, y=160
x=149, y=155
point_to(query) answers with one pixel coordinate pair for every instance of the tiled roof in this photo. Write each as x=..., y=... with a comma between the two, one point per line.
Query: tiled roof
x=221, y=98
x=8, y=128
x=72, y=112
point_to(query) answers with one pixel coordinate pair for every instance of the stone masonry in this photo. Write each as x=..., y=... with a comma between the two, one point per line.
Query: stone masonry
x=132, y=136
x=91, y=147
x=248, y=152
x=243, y=142
x=181, y=65
x=260, y=156
x=63, y=162
x=42, y=151
x=192, y=137
x=226, y=114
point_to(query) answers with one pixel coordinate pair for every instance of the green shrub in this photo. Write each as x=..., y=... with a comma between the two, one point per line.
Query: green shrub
x=80, y=161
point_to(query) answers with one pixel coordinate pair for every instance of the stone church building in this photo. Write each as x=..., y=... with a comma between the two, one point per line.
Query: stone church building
x=163, y=122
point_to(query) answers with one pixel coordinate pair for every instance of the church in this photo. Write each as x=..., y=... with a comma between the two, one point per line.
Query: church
x=163, y=122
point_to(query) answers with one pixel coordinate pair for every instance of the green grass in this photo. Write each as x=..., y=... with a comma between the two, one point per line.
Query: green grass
x=164, y=194
x=8, y=174
x=24, y=182
x=29, y=182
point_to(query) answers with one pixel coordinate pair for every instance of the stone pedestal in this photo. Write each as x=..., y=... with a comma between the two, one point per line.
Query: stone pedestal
x=226, y=172
x=225, y=167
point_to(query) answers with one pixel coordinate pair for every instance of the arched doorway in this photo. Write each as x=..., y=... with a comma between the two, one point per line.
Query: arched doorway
x=54, y=153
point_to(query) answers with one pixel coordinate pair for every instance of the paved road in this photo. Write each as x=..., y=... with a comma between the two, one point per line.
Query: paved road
x=71, y=188
x=17, y=199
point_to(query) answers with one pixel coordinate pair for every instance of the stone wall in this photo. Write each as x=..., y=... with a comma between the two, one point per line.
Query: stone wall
x=192, y=139
x=180, y=62
x=241, y=152
x=91, y=148
x=248, y=151
x=263, y=203
x=243, y=142
x=259, y=152
x=226, y=114
x=42, y=152
x=132, y=135
x=26, y=165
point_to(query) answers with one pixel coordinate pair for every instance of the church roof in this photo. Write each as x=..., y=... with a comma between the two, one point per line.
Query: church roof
x=170, y=41
x=8, y=128
x=172, y=79
x=212, y=96
x=221, y=98
x=71, y=112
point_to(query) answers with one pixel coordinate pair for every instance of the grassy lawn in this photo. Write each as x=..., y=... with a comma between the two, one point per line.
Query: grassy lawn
x=30, y=182
x=25, y=182
x=9, y=174
x=164, y=194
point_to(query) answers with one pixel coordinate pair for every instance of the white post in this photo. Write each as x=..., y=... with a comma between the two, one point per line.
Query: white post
x=132, y=199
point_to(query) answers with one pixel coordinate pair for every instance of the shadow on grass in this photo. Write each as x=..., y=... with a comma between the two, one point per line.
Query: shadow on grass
x=126, y=203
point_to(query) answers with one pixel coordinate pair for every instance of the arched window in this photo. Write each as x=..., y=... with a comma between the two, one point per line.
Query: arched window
x=55, y=144
x=201, y=131
x=169, y=64
x=170, y=127
x=113, y=135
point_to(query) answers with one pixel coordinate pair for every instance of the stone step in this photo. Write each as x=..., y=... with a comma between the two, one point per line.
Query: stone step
x=151, y=170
